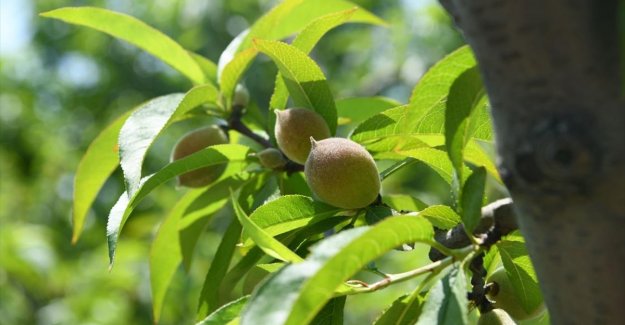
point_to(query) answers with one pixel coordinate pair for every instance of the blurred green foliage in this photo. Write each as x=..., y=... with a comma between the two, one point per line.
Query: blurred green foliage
x=61, y=84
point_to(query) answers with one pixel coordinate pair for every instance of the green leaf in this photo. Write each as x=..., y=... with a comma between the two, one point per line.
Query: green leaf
x=425, y=114
x=305, y=41
x=375, y=214
x=447, y=303
x=465, y=96
x=404, y=202
x=288, y=213
x=291, y=16
x=134, y=32
x=209, y=298
x=215, y=155
x=435, y=159
x=268, y=244
x=239, y=270
x=296, y=293
x=475, y=154
x=358, y=109
x=177, y=236
x=226, y=313
x=148, y=121
x=294, y=183
x=304, y=79
x=209, y=68
x=471, y=199
x=404, y=310
x=332, y=312
x=440, y=216
x=233, y=71
x=521, y=272
x=94, y=169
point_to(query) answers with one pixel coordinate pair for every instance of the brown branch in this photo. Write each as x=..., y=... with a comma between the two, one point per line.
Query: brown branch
x=498, y=219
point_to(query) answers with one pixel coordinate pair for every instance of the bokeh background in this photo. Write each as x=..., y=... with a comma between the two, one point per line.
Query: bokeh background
x=61, y=84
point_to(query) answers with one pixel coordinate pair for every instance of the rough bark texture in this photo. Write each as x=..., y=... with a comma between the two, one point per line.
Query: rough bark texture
x=551, y=69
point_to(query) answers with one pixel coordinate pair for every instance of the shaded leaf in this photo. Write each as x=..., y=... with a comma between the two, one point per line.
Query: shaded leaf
x=377, y=213
x=331, y=313
x=465, y=96
x=95, y=167
x=358, y=109
x=134, y=32
x=447, y=303
x=404, y=310
x=403, y=202
x=471, y=199
x=148, y=121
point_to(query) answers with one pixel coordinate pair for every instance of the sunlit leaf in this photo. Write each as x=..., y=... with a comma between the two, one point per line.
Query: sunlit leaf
x=268, y=244
x=226, y=313
x=148, y=121
x=134, y=32
x=299, y=291
x=404, y=202
x=95, y=167
x=290, y=212
x=441, y=216
x=521, y=272
x=358, y=109
x=214, y=155
x=305, y=41
x=304, y=79
x=180, y=231
x=233, y=71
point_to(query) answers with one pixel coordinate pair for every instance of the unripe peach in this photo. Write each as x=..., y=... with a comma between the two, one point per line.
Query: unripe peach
x=294, y=127
x=342, y=173
x=271, y=158
x=495, y=317
x=195, y=141
x=502, y=292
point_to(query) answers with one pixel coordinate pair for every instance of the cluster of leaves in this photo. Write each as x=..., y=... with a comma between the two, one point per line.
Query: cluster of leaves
x=306, y=251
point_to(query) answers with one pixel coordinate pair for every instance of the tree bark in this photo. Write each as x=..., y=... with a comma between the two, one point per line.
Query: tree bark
x=551, y=69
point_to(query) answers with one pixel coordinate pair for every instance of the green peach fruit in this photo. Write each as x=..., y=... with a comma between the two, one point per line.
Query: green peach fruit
x=503, y=294
x=195, y=141
x=271, y=158
x=294, y=127
x=342, y=173
x=241, y=96
x=495, y=317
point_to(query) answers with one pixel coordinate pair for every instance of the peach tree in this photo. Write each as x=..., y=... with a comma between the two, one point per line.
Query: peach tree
x=302, y=223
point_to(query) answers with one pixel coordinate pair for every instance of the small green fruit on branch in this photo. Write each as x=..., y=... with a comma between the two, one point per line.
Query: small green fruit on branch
x=195, y=141
x=342, y=173
x=272, y=158
x=294, y=128
x=495, y=317
x=498, y=219
x=502, y=293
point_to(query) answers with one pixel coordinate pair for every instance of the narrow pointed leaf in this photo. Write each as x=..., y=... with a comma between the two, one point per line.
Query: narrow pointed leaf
x=94, y=169
x=446, y=303
x=305, y=41
x=520, y=271
x=233, y=71
x=184, y=224
x=290, y=212
x=214, y=155
x=268, y=244
x=148, y=121
x=471, y=199
x=465, y=96
x=226, y=313
x=299, y=291
x=304, y=79
x=134, y=32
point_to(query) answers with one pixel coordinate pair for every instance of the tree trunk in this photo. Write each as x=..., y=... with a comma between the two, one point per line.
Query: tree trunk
x=551, y=69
